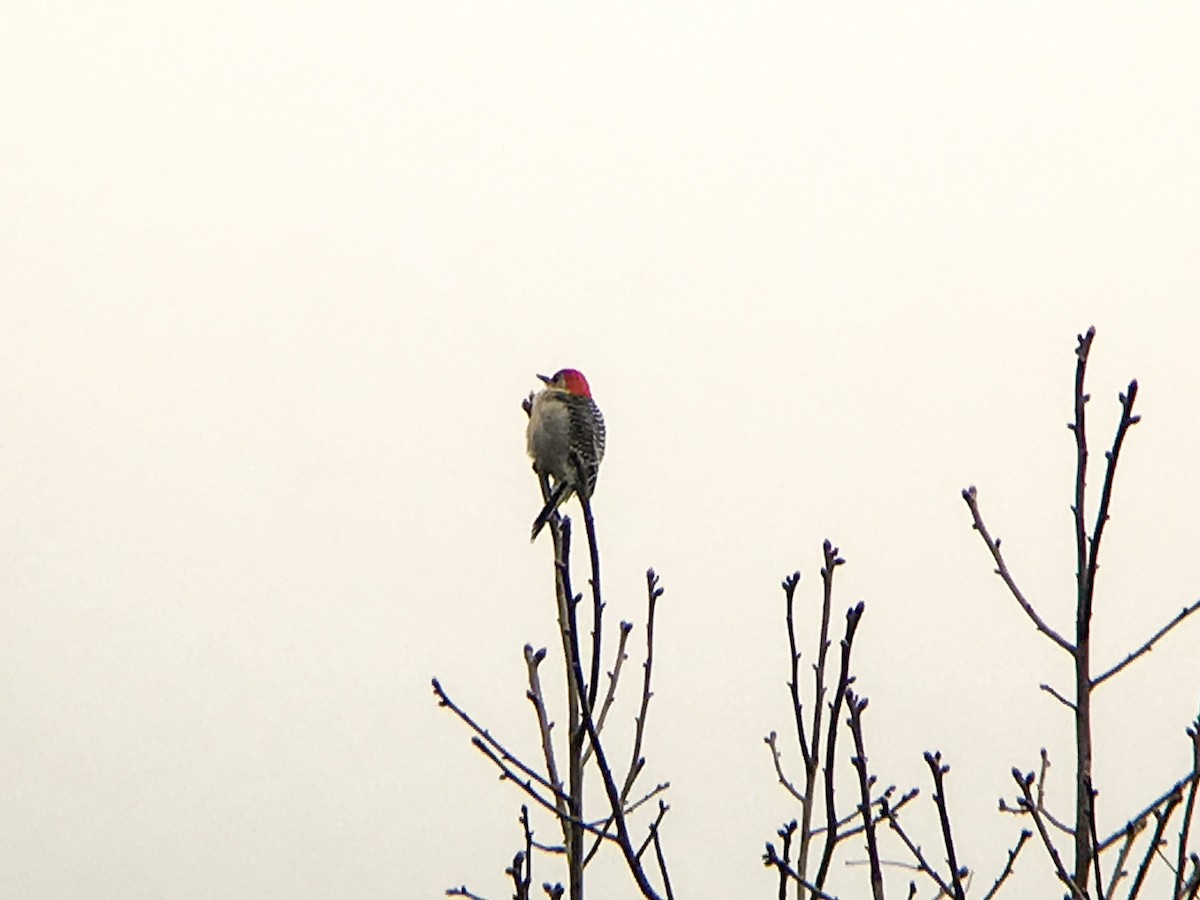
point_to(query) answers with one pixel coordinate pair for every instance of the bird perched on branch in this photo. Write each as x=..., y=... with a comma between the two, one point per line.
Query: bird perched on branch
x=566, y=440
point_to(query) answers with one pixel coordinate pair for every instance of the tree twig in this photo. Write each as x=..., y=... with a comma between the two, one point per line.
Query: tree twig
x=567, y=601
x=934, y=761
x=1175, y=790
x=856, y=706
x=1189, y=807
x=1132, y=830
x=1161, y=818
x=771, y=858
x=1148, y=646
x=853, y=617
x=533, y=659
x=904, y=800
x=1095, y=839
x=610, y=787
x=597, y=603
x=658, y=851
x=993, y=544
x=1026, y=834
x=831, y=559
x=789, y=589
x=485, y=738
x=771, y=740
x=653, y=592
x=922, y=863
x=1049, y=689
x=463, y=892
x=1024, y=782
x=613, y=677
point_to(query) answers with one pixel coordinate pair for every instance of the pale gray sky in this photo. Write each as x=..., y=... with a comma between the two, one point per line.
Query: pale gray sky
x=275, y=278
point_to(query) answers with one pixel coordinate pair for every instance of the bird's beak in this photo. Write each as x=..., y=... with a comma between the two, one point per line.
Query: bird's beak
x=546, y=378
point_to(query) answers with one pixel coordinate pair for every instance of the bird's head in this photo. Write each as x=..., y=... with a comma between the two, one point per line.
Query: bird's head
x=570, y=380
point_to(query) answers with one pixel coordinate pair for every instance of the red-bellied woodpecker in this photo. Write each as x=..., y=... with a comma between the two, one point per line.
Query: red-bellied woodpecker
x=566, y=439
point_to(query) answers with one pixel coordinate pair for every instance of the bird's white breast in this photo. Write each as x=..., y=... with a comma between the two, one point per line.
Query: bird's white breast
x=548, y=433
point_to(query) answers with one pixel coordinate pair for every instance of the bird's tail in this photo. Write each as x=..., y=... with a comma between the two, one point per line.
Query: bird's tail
x=561, y=492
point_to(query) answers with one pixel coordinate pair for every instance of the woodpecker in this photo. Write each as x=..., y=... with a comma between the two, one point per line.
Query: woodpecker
x=565, y=437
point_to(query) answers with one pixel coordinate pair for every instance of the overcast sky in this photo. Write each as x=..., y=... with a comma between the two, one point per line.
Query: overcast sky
x=274, y=278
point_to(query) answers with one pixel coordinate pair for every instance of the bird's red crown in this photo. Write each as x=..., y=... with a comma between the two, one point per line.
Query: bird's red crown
x=570, y=379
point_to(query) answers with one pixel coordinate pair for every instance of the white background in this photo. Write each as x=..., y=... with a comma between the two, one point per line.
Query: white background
x=274, y=278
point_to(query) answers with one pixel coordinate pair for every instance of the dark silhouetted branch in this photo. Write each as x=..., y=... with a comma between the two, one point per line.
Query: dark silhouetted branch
x=771, y=858
x=789, y=589
x=1189, y=808
x=589, y=726
x=653, y=592
x=1156, y=842
x=771, y=740
x=533, y=659
x=1025, y=783
x=485, y=740
x=1175, y=790
x=613, y=678
x=934, y=761
x=597, y=603
x=1132, y=830
x=853, y=617
x=658, y=852
x=1148, y=646
x=878, y=802
x=1095, y=839
x=915, y=850
x=970, y=496
x=1057, y=696
x=857, y=705
x=1026, y=834
x=463, y=892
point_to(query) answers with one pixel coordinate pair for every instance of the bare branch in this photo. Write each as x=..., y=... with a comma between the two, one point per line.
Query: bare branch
x=934, y=761
x=610, y=788
x=463, y=892
x=830, y=562
x=1174, y=793
x=1039, y=799
x=507, y=774
x=853, y=617
x=771, y=858
x=1049, y=689
x=1128, y=420
x=1132, y=830
x=886, y=797
x=1189, y=808
x=653, y=592
x=532, y=660
x=613, y=677
x=1025, y=782
x=658, y=853
x=521, y=870
x=1193, y=884
x=485, y=739
x=597, y=603
x=1172, y=801
x=789, y=589
x=1148, y=646
x=1008, y=866
x=922, y=863
x=566, y=601
x=856, y=706
x=993, y=545
x=771, y=740
x=785, y=833
x=1094, y=838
